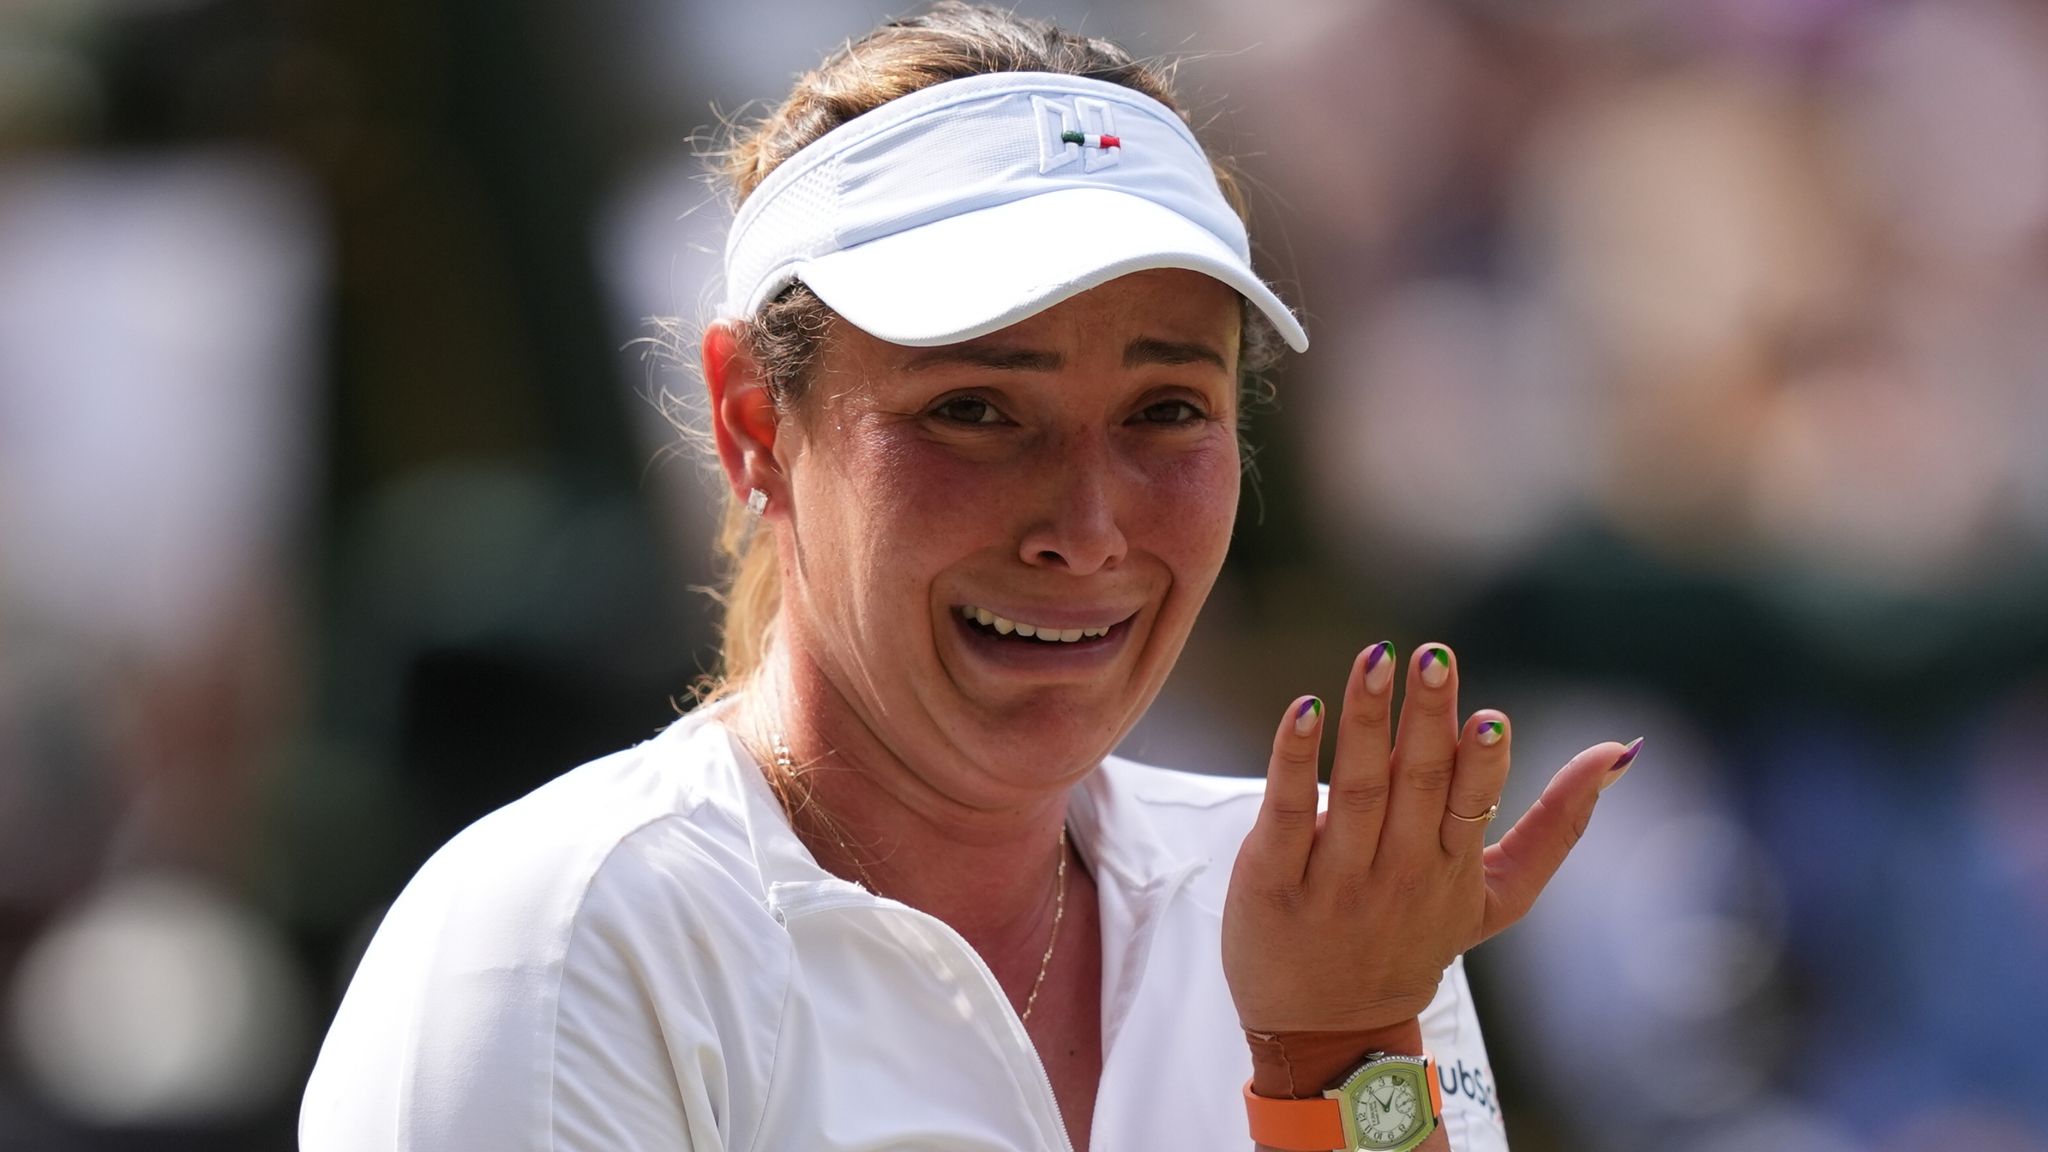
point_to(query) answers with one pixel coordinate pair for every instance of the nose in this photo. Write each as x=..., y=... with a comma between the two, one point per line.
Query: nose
x=1076, y=528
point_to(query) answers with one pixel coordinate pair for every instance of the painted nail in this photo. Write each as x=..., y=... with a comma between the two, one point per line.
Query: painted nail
x=1490, y=732
x=1305, y=717
x=1379, y=667
x=1436, y=665
x=1620, y=768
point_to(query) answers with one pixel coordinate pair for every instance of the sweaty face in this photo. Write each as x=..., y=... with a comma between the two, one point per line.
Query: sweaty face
x=996, y=549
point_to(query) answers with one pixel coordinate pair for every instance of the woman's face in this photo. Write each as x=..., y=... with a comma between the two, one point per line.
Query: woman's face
x=1073, y=475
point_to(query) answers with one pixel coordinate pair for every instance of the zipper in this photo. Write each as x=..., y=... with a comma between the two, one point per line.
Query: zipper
x=831, y=896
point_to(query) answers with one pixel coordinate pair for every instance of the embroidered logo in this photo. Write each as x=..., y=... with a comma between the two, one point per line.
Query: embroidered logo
x=1083, y=131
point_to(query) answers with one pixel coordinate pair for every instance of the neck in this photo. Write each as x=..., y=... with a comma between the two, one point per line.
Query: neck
x=869, y=814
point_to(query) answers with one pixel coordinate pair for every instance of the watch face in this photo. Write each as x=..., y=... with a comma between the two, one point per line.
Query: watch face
x=1387, y=1105
x=1387, y=1110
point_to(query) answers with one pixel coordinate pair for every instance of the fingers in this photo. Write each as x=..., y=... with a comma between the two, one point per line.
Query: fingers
x=1425, y=756
x=1476, y=783
x=1527, y=857
x=1358, y=777
x=1280, y=839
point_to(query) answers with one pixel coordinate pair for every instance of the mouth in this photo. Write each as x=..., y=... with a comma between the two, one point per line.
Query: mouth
x=995, y=624
x=1060, y=639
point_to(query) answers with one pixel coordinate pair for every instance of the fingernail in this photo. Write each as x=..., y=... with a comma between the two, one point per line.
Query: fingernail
x=1628, y=757
x=1490, y=732
x=1305, y=717
x=1379, y=667
x=1436, y=665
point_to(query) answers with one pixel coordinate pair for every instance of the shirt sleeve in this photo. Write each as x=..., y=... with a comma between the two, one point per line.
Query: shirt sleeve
x=530, y=1003
x=1450, y=1032
x=664, y=1038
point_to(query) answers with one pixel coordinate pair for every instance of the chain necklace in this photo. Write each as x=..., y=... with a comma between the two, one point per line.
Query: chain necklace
x=785, y=771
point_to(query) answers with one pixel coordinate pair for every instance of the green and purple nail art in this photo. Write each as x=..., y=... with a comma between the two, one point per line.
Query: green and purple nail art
x=1376, y=655
x=1305, y=717
x=1490, y=731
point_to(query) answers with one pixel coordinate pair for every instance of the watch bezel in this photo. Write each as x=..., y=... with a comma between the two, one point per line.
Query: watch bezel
x=1415, y=1070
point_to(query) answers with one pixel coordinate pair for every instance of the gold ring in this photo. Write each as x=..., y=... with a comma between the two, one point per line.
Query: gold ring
x=1482, y=818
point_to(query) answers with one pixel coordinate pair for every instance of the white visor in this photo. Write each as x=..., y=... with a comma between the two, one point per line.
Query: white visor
x=965, y=207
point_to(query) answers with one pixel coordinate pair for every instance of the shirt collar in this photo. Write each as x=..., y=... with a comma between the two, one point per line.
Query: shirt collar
x=1108, y=821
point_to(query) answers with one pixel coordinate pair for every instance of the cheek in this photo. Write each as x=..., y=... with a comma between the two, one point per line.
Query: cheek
x=1191, y=504
x=913, y=507
x=929, y=490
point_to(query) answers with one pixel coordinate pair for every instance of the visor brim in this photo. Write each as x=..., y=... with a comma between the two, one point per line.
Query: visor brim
x=978, y=272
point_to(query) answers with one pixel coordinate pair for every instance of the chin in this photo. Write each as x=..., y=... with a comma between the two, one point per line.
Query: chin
x=1049, y=739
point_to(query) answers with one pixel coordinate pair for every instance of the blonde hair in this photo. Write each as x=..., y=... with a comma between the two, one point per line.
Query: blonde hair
x=950, y=41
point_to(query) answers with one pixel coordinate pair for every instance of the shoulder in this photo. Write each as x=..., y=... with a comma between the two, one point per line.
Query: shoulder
x=637, y=831
x=619, y=897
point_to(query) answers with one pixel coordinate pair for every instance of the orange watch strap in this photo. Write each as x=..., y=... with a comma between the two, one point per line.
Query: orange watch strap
x=1315, y=1124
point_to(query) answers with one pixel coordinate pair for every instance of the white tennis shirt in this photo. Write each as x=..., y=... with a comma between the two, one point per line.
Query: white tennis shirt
x=642, y=956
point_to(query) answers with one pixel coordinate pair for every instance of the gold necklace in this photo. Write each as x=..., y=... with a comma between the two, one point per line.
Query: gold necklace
x=785, y=772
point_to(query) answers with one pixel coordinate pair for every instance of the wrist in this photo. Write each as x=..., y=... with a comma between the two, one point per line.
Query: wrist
x=1301, y=1064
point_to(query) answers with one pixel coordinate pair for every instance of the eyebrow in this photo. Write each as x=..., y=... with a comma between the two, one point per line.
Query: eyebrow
x=1145, y=350
x=1010, y=358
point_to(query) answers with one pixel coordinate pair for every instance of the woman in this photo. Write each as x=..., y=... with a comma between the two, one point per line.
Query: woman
x=976, y=397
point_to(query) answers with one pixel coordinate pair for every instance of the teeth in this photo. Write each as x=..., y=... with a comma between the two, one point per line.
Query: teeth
x=1005, y=626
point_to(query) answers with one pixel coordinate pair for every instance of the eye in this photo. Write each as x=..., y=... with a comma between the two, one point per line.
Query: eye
x=1170, y=412
x=968, y=410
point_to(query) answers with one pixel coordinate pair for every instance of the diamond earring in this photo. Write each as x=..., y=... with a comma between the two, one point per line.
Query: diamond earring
x=757, y=501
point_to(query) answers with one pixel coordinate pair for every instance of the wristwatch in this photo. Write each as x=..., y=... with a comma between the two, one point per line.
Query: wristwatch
x=1387, y=1104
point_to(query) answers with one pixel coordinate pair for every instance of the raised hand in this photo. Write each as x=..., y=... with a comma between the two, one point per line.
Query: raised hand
x=1345, y=920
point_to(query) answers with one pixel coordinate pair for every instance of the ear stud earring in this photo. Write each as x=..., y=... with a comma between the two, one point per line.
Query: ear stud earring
x=757, y=501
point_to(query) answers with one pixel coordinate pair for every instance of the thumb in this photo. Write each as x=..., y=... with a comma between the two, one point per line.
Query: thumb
x=1522, y=863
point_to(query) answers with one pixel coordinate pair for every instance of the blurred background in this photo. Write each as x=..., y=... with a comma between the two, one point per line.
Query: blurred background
x=1683, y=363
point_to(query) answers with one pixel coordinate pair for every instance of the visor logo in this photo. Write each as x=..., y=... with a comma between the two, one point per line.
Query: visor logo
x=1082, y=131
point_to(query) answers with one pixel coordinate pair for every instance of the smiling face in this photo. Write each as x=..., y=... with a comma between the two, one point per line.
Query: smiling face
x=1074, y=475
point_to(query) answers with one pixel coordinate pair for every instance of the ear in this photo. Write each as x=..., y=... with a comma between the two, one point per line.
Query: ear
x=743, y=418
